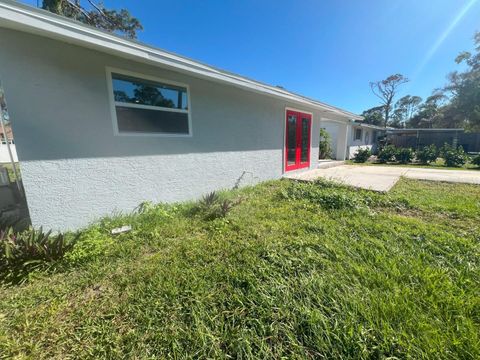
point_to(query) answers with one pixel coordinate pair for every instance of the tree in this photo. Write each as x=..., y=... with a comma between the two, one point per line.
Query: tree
x=406, y=107
x=374, y=116
x=464, y=88
x=386, y=90
x=96, y=15
x=430, y=113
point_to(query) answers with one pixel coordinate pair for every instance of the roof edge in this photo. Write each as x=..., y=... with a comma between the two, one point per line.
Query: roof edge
x=40, y=22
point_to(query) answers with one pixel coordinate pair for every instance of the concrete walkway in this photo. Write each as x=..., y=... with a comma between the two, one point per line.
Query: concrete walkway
x=383, y=178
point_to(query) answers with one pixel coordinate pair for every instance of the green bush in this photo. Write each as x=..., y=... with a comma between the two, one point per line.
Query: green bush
x=29, y=250
x=476, y=160
x=387, y=154
x=454, y=157
x=404, y=155
x=362, y=155
x=325, y=149
x=428, y=154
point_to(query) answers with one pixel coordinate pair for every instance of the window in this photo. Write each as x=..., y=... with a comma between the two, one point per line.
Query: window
x=144, y=106
x=358, y=134
x=367, y=137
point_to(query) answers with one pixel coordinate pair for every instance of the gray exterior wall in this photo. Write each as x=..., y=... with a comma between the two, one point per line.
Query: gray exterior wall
x=75, y=170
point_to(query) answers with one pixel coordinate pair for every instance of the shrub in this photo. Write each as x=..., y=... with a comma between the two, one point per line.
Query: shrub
x=404, y=155
x=362, y=155
x=325, y=150
x=387, y=154
x=211, y=206
x=428, y=154
x=476, y=160
x=454, y=157
x=26, y=251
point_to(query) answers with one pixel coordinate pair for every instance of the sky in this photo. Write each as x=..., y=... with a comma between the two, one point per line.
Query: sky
x=325, y=49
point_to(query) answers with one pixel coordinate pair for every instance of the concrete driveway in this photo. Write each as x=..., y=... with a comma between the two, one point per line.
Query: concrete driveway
x=383, y=178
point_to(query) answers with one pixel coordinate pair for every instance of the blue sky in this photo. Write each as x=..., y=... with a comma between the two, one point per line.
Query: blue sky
x=326, y=49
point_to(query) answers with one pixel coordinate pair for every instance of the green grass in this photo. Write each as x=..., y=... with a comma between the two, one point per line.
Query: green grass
x=439, y=164
x=293, y=271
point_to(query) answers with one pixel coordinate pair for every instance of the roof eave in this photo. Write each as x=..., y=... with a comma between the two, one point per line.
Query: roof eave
x=27, y=19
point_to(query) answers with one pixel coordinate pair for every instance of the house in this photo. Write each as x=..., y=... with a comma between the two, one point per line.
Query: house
x=103, y=123
x=6, y=134
x=347, y=138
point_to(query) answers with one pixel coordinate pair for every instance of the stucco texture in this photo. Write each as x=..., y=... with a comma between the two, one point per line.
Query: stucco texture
x=76, y=170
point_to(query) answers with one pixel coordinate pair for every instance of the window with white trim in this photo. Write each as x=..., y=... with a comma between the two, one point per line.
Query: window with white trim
x=145, y=106
x=357, y=134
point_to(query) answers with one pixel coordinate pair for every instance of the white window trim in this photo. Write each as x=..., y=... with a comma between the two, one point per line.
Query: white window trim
x=113, y=104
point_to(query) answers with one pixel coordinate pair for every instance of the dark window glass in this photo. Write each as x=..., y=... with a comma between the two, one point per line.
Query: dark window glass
x=128, y=89
x=305, y=140
x=151, y=121
x=291, y=139
x=358, y=134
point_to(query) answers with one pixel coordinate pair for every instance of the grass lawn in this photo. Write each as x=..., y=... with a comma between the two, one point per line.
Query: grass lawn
x=294, y=270
x=439, y=164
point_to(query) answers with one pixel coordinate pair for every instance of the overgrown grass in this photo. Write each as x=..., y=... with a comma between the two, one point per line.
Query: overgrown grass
x=294, y=270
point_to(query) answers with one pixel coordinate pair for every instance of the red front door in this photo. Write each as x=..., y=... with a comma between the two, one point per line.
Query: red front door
x=297, y=140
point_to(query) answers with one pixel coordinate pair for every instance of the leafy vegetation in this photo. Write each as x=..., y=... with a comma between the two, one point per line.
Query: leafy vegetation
x=387, y=154
x=404, y=155
x=95, y=14
x=362, y=155
x=453, y=156
x=295, y=270
x=325, y=149
x=29, y=250
x=476, y=160
x=427, y=155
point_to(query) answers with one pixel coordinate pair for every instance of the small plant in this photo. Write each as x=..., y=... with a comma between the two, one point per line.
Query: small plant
x=211, y=206
x=476, y=160
x=24, y=252
x=362, y=155
x=428, y=154
x=454, y=157
x=387, y=154
x=404, y=155
x=325, y=149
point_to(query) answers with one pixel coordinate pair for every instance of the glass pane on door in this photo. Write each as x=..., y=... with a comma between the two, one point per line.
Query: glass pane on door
x=291, y=139
x=305, y=140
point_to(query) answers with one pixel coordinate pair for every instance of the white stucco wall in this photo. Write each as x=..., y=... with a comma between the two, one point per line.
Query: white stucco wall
x=366, y=142
x=338, y=131
x=75, y=170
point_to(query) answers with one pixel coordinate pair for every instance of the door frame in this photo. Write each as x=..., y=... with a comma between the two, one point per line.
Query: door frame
x=286, y=168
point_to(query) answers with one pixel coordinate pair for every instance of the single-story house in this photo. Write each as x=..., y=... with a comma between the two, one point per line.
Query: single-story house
x=356, y=136
x=103, y=123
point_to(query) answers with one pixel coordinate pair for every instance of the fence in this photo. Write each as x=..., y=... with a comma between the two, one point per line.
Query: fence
x=418, y=139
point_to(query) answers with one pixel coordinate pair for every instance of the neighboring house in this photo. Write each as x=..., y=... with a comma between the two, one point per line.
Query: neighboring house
x=4, y=154
x=103, y=123
x=348, y=137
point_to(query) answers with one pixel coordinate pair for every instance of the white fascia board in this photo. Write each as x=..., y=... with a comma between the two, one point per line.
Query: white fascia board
x=40, y=22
